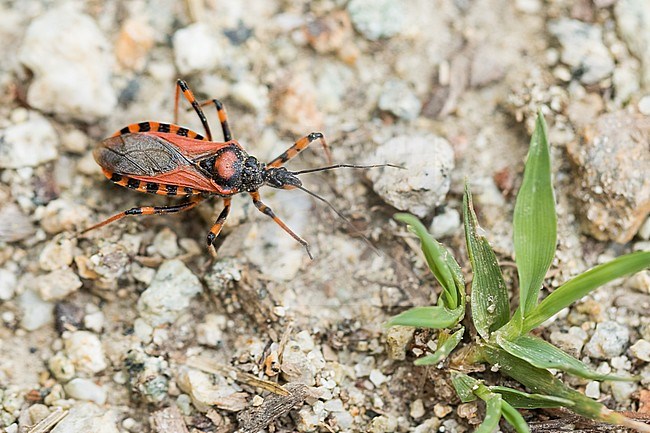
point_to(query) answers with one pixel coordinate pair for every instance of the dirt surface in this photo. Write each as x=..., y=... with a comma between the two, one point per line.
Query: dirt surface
x=133, y=327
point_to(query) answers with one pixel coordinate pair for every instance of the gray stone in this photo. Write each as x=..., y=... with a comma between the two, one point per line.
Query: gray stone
x=166, y=243
x=583, y=49
x=72, y=64
x=425, y=180
x=148, y=375
x=84, y=389
x=445, y=224
x=36, y=312
x=609, y=340
x=87, y=417
x=398, y=98
x=169, y=294
x=29, y=143
x=641, y=350
x=376, y=19
x=611, y=165
x=571, y=342
x=195, y=48
x=206, y=393
x=58, y=285
x=633, y=21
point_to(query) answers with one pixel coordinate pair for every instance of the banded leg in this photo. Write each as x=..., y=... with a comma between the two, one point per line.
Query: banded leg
x=181, y=86
x=269, y=212
x=218, y=225
x=300, y=145
x=149, y=210
x=223, y=117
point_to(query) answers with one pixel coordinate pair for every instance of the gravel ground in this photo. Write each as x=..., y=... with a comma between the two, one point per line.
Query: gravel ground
x=132, y=327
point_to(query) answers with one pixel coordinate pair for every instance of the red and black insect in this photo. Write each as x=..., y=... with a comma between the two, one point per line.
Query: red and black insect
x=168, y=159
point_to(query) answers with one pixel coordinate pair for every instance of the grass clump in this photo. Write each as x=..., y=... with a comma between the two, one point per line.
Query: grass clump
x=504, y=340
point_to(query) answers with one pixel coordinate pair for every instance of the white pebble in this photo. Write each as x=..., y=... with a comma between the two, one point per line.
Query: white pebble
x=36, y=312
x=641, y=350
x=195, y=49
x=28, y=144
x=7, y=284
x=644, y=105
x=377, y=377
x=84, y=389
x=85, y=351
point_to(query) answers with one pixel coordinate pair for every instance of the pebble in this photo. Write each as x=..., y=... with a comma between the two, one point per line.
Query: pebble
x=571, y=342
x=74, y=141
x=169, y=293
x=398, y=98
x=610, y=165
x=8, y=283
x=87, y=417
x=417, y=409
x=210, y=331
x=633, y=24
x=445, y=224
x=644, y=231
x=397, y=341
x=29, y=143
x=639, y=281
x=305, y=341
x=592, y=390
x=383, y=424
x=36, y=312
x=376, y=19
x=71, y=62
x=15, y=224
x=166, y=243
x=609, y=340
x=195, y=49
x=251, y=95
x=583, y=49
x=641, y=350
x=134, y=41
x=148, y=375
x=142, y=330
x=622, y=391
x=84, y=389
x=94, y=321
x=296, y=366
x=85, y=351
x=425, y=180
x=56, y=254
x=61, y=367
x=377, y=377
x=644, y=105
x=62, y=215
x=58, y=285
x=344, y=420
x=428, y=426
x=205, y=392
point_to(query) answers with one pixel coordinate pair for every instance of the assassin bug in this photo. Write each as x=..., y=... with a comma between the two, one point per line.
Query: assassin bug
x=168, y=159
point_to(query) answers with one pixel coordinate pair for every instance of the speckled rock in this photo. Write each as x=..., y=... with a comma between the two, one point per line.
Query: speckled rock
x=611, y=164
x=84, y=389
x=610, y=339
x=583, y=49
x=85, y=351
x=28, y=143
x=425, y=180
x=61, y=367
x=87, y=417
x=71, y=62
x=148, y=375
x=633, y=21
x=56, y=254
x=57, y=285
x=169, y=293
x=377, y=19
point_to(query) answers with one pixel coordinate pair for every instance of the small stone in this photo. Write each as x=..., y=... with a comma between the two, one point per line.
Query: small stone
x=644, y=105
x=641, y=350
x=377, y=377
x=257, y=400
x=644, y=231
x=58, y=285
x=633, y=25
x=195, y=49
x=142, y=330
x=583, y=49
x=56, y=254
x=417, y=409
x=74, y=141
x=609, y=340
x=428, y=426
x=383, y=424
x=148, y=375
x=251, y=95
x=184, y=404
x=87, y=417
x=613, y=188
x=29, y=143
x=84, y=389
x=8, y=283
x=344, y=420
x=205, y=392
x=377, y=19
x=210, y=332
x=639, y=281
x=135, y=39
x=296, y=366
x=36, y=312
x=85, y=351
x=15, y=224
x=571, y=342
x=397, y=340
x=441, y=410
x=398, y=98
x=622, y=391
x=169, y=293
x=38, y=412
x=68, y=317
x=445, y=224
x=71, y=62
x=592, y=390
x=94, y=321
x=424, y=181
x=305, y=341
x=61, y=367
x=166, y=243
x=63, y=215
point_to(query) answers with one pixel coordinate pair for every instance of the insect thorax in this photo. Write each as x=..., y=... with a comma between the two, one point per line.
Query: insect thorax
x=234, y=170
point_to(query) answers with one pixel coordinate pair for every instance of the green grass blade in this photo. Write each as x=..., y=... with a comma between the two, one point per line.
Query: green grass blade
x=523, y=400
x=492, y=415
x=464, y=386
x=436, y=317
x=535, y=221
x=514, y=418
x=542, y=354
x=490, y=306
x=442, y=264
x=584, y=283
x=443, y=350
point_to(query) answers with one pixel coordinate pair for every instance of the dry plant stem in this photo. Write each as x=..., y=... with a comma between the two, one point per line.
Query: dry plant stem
x=49, y=422
x=255, y=419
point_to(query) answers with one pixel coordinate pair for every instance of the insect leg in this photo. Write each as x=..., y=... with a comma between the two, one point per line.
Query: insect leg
x=181, y=86
x=148, y=210
x=216, y=228
x=269, y=212
x=298, y=146
x=223, y=117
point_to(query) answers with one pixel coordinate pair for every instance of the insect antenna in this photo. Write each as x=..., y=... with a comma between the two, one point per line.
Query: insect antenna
x=331, y=206
x=332, y=167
